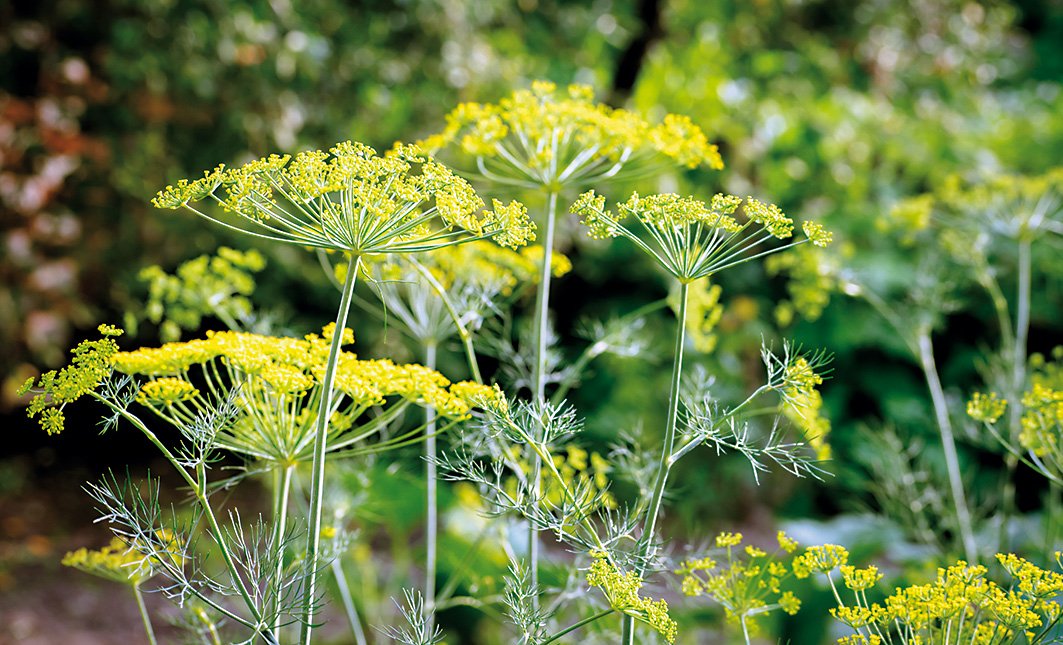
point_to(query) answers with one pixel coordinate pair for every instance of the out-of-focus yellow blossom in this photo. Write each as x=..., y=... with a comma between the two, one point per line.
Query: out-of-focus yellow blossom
x=209, y=285
x=544, y=137
x=703, y=314
x=747, y=585
x=351, y=199
x=118, y=562
x=122, y=562
x=803, y=403
x=986, y=407
x=621, y=589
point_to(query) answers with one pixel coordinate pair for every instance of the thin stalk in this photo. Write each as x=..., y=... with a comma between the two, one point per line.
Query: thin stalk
x=317, y=477
x=348, y=602
x=144, y=615
x=432, y=501
x=664, y=465
x=573, y=627
x=463, y=332
x=1018, y=364
x=282, y=484
x=542, y=309
x=948, y=442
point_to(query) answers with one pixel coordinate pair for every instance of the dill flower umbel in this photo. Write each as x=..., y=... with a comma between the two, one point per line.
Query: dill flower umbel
x=546, y=137
x=621, y=589
x=89, y=367
x=275, y=383
x=692, y=239
x=350, y=199
x=117, y=561
x=747, y=583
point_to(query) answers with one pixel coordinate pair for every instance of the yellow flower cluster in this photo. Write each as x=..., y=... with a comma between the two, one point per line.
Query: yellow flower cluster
x=544, y=136
x=122, y=562
x=276, y=381
x=209, y=285
x=118, y=562
x=89, y=367
x=621, y=589
x=961, y=602
x=987, y=408
x=351, y=199
x=803, y=403
x=689, y=238
x=820, y=559
x=1042, y=419
x=747, y=585
x=1042, y=413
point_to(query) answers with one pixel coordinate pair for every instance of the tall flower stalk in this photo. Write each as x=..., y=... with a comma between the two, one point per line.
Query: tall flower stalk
x=691, y=240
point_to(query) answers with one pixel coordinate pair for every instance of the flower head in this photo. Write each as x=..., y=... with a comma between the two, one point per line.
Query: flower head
x=89, y=367
x=350, y=199
x=274, y=383
x=692, y=239
x=621, y=589
x=550, y=137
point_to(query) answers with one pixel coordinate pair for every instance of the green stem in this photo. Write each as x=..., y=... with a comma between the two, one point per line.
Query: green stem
x=348, y=602
x=542, y=309
x=948, y=442
x=317, y=477
x=1017, y=347
x=144, y=615
x=432, y=501
x=463, y=332
x=573, y=627
x=282, y=483
x=664, y=465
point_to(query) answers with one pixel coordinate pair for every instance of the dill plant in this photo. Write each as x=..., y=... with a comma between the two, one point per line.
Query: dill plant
x=419, y=232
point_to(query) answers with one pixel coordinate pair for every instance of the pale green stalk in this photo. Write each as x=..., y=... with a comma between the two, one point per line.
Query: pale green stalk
x=542, y=309
x=317, y=477
x=664, y=465
x=144, y=615
x=948, y=442
x=463, y=332
x=348, y=602
x=432, y=501
x=282, y=483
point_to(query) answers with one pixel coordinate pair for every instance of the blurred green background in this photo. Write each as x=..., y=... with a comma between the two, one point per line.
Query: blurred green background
x=834, y=109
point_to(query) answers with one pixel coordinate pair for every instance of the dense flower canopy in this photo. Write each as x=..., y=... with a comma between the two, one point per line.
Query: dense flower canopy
x=275, y=383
